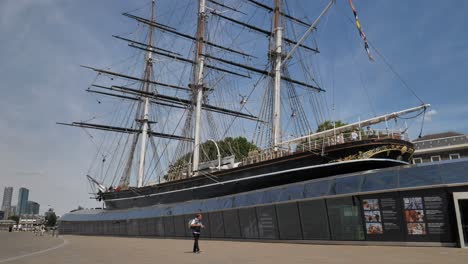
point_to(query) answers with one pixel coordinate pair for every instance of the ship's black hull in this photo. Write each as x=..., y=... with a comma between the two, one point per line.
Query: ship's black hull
x=297, y=167
x=249, y=183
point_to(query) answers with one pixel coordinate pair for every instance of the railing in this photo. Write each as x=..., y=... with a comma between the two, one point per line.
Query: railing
x=318, y=145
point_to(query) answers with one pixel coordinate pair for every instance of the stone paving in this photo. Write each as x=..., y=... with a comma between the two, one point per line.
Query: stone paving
x=21, y=248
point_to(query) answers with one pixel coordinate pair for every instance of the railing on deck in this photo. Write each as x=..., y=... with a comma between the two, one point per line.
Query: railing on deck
x=318, y=145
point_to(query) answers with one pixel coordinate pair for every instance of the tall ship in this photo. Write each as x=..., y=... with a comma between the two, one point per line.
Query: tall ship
x=222, y=97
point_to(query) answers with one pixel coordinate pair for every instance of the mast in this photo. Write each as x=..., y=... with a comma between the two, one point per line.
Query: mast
x=145, y=118
x=198, y=87
x=278, y=31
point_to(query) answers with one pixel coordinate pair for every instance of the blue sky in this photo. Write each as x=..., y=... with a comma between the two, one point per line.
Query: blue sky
x=44, y=42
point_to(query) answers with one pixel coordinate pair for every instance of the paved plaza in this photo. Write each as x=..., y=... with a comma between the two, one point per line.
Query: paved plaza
x=27, y=248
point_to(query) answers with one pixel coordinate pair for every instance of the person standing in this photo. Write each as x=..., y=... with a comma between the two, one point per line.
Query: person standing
x=354, y=135
x=196, y=225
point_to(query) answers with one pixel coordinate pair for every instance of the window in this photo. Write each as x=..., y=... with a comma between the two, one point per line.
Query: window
x=454, y=156
x=435, y=158
x=417, y=160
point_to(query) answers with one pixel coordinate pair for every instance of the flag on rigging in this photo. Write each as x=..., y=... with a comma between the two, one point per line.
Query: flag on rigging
x=361, y=33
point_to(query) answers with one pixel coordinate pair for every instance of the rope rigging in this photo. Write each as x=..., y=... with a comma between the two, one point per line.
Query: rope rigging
x=301, y=106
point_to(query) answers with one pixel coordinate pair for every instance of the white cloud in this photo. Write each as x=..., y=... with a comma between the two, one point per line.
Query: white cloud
x=430, y=114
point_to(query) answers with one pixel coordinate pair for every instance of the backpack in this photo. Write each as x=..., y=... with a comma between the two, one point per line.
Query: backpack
x=190, y=223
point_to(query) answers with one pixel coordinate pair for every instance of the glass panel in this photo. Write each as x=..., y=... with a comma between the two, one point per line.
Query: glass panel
x=347, y=184
x=274, y=196
x=455, y=172
x=379, y=181
x=316, y=188
x=246, y=199
x=210, y=205
x=292, y=192
x=187, y=208
x=226, y=202
x=420, y=176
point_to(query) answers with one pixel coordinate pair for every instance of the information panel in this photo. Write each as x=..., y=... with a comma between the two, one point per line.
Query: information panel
x=382, y=217
x=427, y=215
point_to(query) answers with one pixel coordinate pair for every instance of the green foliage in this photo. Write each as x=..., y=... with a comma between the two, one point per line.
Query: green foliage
x=51, y=218
x=329, y=125
x=239, y=147
x=14, y=218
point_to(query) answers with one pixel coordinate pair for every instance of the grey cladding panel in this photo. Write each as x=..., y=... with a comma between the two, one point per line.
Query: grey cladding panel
x=216, y=224
x=142, y=227
x=123, y=228
x=132, y=227
x=187, y=218
x=109, y=227
x=267, y=224
x=248, y=223
x=179, y=225
x=169, y=226
x=345, y=218
x=206, y=232
x=314, y=220
x=159, y=227
x=288, y=221
x=231, y=224
x=115, y=228
x=151, y=227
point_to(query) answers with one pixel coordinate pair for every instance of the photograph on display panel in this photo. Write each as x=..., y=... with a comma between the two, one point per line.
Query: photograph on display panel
x=374, y=228
x=414, y=216
x=413, y=203
x=416, y=228
x=370, y=204
x=372, y=216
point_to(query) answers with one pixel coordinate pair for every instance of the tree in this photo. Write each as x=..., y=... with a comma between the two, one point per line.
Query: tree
x=14, y=218
x=239, y=147
x=50, y=218
x=328, y=124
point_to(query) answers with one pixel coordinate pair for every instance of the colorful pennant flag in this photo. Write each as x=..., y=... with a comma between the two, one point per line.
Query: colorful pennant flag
x=361, y=33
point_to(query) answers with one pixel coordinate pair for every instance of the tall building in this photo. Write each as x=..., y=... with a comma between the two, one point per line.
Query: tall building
x=6, y=203
x=22, y=207
x=33, y=208
x=12, y=211
x=7, y=195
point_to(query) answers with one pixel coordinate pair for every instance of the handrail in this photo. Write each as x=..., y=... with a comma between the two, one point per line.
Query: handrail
x=317, y=145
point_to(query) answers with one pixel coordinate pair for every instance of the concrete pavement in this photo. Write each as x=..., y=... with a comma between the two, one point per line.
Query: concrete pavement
x=20, y=248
